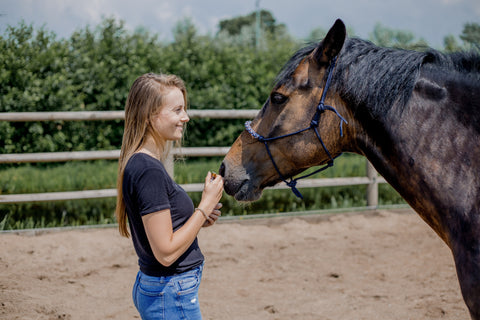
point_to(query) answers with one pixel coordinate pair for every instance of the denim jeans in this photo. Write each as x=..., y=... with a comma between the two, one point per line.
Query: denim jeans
x=168, y=298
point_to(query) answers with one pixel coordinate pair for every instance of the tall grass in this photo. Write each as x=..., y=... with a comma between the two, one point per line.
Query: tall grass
x=102, y=175
x=61, y=177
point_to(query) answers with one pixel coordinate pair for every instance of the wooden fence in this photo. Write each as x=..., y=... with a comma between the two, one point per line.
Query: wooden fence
x=371, y=180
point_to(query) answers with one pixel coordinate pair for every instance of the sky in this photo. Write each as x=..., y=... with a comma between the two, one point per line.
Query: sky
x=431, y=20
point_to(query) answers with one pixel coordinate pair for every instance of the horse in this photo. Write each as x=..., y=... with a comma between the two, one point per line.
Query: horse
x=414, y=115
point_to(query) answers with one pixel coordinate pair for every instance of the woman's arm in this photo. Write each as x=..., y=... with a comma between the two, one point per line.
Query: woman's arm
x=167, y=245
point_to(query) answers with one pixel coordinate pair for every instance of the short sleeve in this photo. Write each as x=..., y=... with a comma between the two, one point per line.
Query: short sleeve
x=152, y=190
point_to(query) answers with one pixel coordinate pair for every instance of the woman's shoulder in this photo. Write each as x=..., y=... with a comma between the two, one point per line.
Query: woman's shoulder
x=141, y=162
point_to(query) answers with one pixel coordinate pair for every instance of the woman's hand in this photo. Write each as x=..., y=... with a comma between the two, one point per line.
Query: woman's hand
x=213, y=216
x=212, y=193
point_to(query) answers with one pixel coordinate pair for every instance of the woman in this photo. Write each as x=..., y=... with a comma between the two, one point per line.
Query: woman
x=163, y=221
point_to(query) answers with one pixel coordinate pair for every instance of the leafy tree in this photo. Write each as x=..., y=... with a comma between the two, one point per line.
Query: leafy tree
x=316, y=35
x=450, y=44
x=245, y=26
x=387, y=37
x=470, y=37
x=471, y=34
x=267, y=23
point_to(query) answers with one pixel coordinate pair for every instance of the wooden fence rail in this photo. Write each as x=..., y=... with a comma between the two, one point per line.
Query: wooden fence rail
x=372, y=179
x=117, y=115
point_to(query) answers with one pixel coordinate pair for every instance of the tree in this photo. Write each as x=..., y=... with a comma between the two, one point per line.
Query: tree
x=470, y=37
x=234, y=26
x=245, y=26
x=316, y=35
x=386, y=37
x=450, y=44
x=471, y=34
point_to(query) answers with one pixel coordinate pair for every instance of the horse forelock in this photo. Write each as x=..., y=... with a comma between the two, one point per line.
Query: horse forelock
x=285, y=75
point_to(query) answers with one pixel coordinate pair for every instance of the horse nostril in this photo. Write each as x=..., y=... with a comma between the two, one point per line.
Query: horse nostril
x=221, y=171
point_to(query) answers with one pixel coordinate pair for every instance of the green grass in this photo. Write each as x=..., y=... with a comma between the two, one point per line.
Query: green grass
x=102, y=175
x=67, y=177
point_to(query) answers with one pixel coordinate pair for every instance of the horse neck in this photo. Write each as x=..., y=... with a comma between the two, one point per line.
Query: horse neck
x=423, y=152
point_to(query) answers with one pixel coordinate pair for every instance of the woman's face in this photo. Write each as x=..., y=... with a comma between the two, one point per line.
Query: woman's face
x=169, y=121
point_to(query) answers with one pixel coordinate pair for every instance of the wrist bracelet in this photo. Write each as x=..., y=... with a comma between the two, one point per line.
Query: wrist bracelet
x=203, y=212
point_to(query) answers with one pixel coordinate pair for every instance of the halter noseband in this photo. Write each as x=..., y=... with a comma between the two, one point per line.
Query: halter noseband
x=313, y=125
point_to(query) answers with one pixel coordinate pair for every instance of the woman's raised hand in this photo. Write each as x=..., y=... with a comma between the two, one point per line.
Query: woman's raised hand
x=212, y=193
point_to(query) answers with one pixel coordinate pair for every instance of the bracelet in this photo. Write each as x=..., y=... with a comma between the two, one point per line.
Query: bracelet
x=203, y=212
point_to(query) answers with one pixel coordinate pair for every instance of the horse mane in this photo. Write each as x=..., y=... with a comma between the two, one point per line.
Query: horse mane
x=467, y=62
x=378, y=77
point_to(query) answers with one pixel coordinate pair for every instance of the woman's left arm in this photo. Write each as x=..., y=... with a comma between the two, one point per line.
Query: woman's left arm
x=168, y=246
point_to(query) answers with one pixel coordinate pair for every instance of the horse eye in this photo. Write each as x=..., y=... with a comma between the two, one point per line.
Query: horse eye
x=278, y=98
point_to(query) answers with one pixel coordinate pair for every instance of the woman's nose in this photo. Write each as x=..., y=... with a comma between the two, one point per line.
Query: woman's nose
x=185, y=117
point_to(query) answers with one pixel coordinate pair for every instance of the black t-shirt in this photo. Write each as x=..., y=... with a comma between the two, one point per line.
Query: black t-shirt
x=148, y=188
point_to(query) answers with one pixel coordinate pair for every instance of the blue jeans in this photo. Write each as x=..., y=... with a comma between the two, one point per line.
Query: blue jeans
x=168, y=298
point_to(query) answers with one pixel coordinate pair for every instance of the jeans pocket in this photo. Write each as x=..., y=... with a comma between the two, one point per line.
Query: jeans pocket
x=149, y=298
x=151, y=288
x=188, y=284
x=187, y=295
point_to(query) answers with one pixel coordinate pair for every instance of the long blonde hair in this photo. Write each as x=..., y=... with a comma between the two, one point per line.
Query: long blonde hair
x=144, y=100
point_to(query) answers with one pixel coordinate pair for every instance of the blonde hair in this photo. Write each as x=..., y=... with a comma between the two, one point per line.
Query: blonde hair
x=144, y=100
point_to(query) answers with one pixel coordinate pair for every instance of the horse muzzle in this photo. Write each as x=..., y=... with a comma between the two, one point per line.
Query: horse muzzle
x=238, y=184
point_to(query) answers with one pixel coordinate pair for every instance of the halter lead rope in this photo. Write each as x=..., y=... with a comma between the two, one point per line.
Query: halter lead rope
x=313, y=125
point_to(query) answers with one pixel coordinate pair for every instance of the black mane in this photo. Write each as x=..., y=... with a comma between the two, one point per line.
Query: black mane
x=376, y=77
x=379, y=77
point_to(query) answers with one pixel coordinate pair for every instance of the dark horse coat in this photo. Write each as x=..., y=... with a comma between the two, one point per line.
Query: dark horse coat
x=414, y=115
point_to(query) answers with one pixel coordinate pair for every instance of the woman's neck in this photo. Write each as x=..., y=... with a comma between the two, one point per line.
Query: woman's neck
x=151, y=148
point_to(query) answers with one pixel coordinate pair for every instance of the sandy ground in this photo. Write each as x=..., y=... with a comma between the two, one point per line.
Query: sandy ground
x=375, y=265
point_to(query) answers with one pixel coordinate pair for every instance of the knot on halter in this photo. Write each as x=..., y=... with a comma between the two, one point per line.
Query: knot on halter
x=322, y=108
x=293, y=186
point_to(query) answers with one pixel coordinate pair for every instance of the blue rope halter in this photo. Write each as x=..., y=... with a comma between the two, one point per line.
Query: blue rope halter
x=313, y=125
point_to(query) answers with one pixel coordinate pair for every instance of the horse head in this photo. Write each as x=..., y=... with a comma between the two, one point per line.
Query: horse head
x=291, y=133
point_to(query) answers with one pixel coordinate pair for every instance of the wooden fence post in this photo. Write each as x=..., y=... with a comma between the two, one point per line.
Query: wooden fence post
x=372, y=187
x=169, y=164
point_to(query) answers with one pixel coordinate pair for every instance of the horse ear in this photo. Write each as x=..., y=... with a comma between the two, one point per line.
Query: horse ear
x=332, y=43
